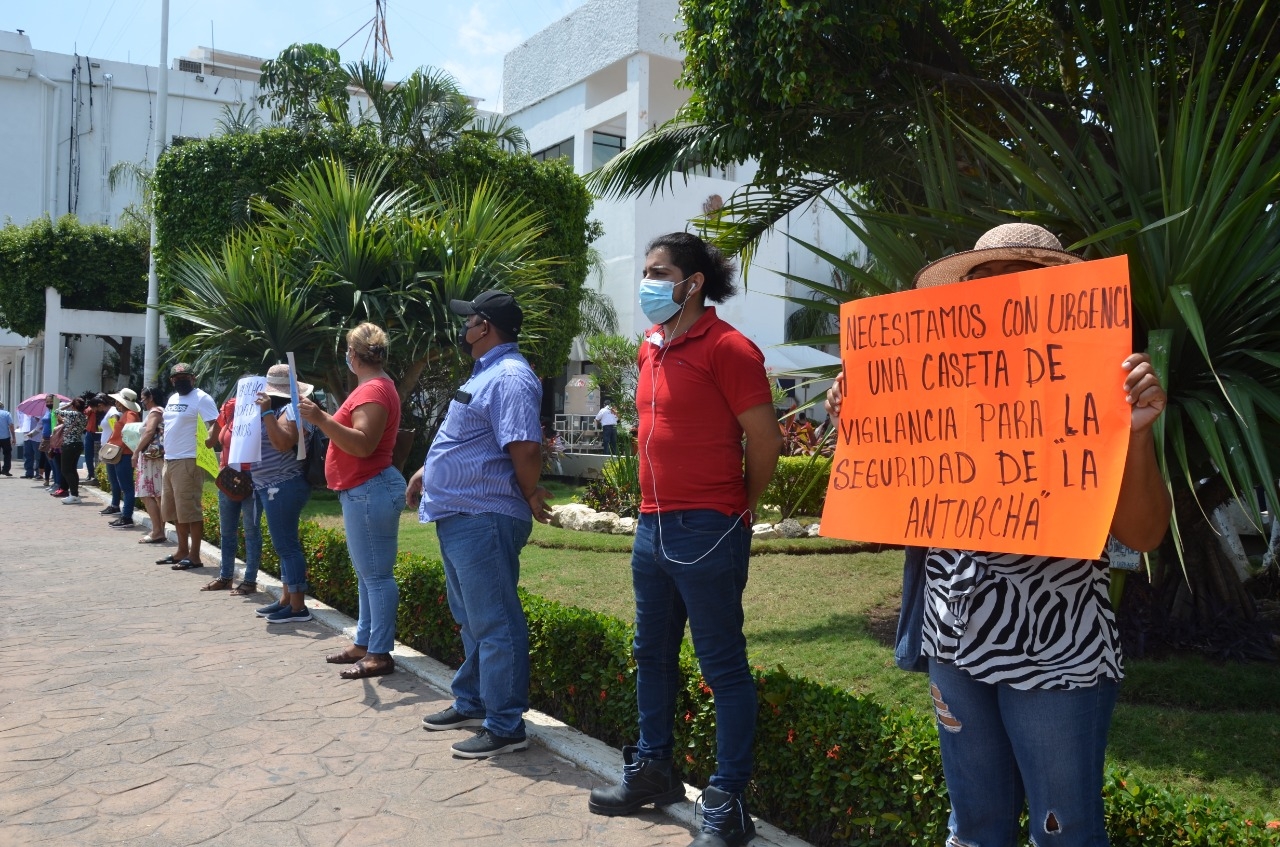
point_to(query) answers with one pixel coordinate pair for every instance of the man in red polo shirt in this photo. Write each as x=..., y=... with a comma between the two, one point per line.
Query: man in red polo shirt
x=702, y=388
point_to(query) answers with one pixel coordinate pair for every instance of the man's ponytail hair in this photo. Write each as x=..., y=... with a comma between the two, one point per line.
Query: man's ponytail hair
x=692, y=255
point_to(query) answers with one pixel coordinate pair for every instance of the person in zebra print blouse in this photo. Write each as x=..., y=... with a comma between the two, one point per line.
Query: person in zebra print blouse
x=1022, y=652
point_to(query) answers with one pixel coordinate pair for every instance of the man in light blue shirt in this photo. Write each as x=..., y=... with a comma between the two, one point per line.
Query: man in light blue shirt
x=8, y=434
x=479, y=484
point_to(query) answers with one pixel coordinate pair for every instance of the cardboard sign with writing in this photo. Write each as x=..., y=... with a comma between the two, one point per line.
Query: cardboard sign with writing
x=246, y=426
x=986, y=415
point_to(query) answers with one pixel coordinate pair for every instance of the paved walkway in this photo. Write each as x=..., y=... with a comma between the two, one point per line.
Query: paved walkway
x=137, y=709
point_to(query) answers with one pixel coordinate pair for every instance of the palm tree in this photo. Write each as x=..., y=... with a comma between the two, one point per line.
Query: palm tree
x=352, y=251
x=427, y=110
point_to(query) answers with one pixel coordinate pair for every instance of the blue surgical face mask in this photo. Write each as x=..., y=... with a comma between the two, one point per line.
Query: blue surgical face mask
x=657, y=299
x=349, y=367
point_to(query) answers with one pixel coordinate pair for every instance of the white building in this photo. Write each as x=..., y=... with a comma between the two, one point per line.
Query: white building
x=69, y=120
x=586, y=88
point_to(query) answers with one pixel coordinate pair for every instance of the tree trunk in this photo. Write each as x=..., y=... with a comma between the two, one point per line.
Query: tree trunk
x=124, y=352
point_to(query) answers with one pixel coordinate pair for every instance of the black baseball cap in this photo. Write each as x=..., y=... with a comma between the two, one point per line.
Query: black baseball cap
x=496, y=307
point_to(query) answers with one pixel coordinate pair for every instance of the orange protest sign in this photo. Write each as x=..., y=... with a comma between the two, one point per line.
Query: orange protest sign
x=986, y=415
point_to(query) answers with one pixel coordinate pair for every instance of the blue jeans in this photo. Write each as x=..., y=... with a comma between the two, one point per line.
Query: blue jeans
x=1002, y=746
x=283, y=504
x=121, y=477
x=30, y=457
x=481, y=567
x=371, y=518
x=231, y=514
x=708, y=593
x=609, y=435
x=55, y=466
x=90, y=444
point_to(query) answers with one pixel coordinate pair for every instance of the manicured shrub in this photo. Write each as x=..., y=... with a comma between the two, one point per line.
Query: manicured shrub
x=799, y=485
x=618, y=489
x=831, y=767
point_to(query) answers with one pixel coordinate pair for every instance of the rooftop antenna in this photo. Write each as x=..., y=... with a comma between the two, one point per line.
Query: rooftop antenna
x=378, y=32
x=377, y=37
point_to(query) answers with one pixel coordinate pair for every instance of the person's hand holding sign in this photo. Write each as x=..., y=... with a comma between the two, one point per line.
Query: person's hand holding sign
x=835, y=396
x=1143, y=391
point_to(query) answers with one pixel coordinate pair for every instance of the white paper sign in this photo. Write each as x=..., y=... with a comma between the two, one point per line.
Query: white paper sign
x=246, y=426
x=293, y=399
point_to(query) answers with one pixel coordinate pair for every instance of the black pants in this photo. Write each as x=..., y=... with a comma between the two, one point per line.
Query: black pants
x=6, y=455
x=70, y=473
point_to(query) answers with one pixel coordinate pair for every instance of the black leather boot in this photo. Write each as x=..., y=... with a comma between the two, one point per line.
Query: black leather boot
x=644, y=781
x=725, y=822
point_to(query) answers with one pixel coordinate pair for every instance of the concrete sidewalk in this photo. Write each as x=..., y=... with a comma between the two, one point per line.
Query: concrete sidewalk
x=136, y=708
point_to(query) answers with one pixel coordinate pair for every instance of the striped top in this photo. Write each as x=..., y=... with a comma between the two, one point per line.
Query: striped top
x=277, y=466
x=468, y=470
x=1029, y=622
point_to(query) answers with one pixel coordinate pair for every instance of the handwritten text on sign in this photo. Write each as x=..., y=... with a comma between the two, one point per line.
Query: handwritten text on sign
x=246, y=427
x=986, y=415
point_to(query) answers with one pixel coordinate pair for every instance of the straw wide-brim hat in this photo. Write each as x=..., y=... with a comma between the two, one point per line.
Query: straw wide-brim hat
x=1005, y=243
x=127, y=398
x=278, y=383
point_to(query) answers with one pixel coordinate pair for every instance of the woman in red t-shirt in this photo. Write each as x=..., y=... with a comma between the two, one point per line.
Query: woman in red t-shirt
x=362, y=435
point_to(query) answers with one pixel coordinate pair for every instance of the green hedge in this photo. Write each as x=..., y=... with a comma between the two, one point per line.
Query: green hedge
x=91, y=266
x=799, y=485
x=834, y=768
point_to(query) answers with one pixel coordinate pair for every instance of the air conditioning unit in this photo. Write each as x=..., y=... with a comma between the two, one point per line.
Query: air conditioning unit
x=190, y=66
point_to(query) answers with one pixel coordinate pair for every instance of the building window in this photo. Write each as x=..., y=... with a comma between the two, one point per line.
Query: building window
x=694, y=166
x=563, y=150
x=604, y=147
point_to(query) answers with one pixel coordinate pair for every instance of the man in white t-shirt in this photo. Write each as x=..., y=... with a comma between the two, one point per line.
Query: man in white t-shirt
x=608, y=420
x=183, y=479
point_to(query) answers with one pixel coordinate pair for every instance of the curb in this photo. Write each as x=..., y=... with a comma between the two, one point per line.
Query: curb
x=561, y=739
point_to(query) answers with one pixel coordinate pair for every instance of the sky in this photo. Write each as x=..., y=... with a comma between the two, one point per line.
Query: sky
x=468, y=38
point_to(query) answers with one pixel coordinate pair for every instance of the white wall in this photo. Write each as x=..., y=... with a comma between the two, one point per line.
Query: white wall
x=115, y=119
x=591, y=37
x=116, y=113
x=615, y=62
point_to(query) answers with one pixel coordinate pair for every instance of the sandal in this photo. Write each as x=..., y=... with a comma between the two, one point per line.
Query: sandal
x=217, y=585
x=168, y=560
x=184, y=565
x=346, y=657
x=244, y=589
x=365, y=668
x=148, y=539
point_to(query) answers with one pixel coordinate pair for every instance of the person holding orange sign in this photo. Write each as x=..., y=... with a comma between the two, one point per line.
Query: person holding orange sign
x=1023, y=652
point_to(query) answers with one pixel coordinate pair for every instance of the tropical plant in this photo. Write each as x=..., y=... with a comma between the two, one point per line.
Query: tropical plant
x=242, y=120
x=617, y=372
x=305, y=86
x=351, y=251
x=137, y=177
x=1183, y=178
x=824, y=93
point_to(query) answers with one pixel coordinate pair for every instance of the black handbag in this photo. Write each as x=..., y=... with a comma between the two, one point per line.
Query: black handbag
x=317, y=448
x=237, y=485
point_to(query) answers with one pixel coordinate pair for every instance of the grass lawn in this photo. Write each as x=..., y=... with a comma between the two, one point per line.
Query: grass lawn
x=827, y=613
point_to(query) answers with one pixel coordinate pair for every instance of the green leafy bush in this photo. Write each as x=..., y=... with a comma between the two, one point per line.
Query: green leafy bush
x=799, y=485
x=619, y=488
x=831, y=767
x=91, y=266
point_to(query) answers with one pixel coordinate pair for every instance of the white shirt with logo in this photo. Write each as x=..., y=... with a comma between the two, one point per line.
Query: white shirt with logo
x=180, y=422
